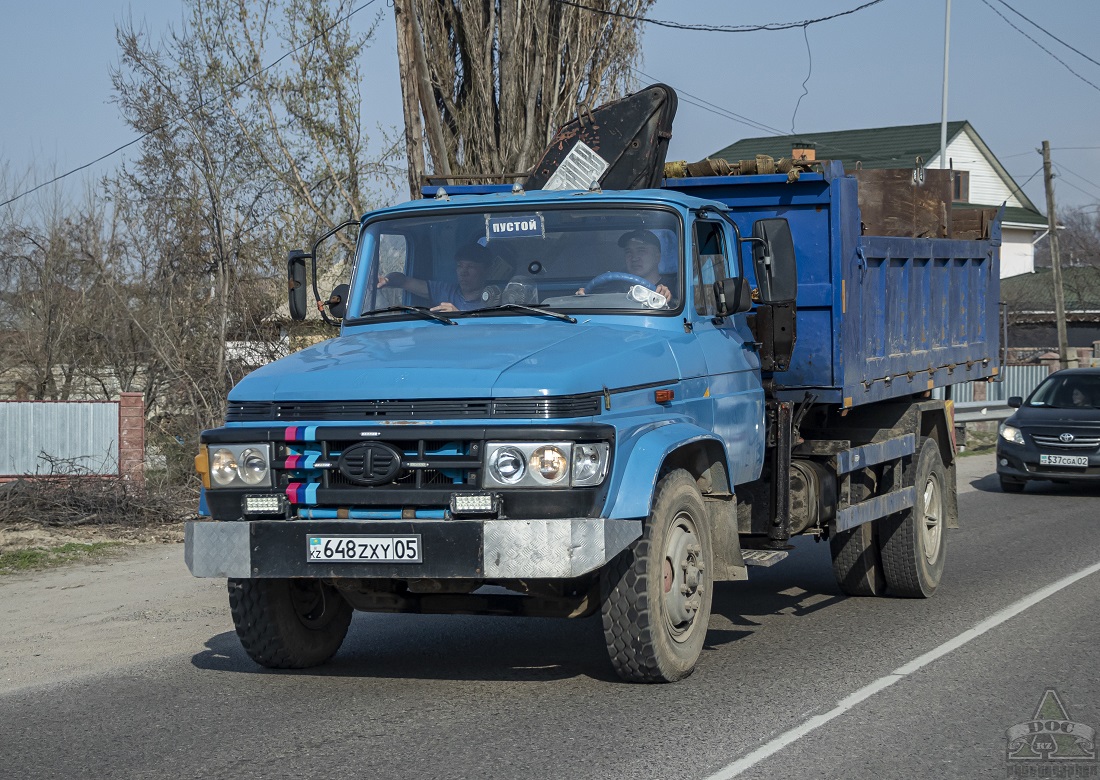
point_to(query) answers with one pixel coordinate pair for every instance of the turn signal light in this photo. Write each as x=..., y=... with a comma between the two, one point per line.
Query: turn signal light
x=664, y=396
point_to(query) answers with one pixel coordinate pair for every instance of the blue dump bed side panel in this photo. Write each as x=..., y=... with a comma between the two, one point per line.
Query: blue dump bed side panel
x=878, y=317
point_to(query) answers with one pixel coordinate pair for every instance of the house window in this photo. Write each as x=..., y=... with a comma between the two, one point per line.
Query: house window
x=961, y=183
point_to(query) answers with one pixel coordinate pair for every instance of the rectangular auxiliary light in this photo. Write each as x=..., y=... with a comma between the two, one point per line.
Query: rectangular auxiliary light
x=264, y=505
x=474, y=504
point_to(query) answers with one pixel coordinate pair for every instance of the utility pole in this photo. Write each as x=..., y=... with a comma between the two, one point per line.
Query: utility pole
x=410, y=96
x=943, y=108
x=1056, y=265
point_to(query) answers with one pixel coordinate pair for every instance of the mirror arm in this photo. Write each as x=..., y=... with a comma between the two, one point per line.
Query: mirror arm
x=313, y=269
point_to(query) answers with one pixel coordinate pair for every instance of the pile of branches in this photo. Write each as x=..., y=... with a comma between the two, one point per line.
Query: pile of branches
x=69, y=496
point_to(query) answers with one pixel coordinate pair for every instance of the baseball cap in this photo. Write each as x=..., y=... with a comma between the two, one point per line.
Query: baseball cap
x=474, y=253
x=644, y=236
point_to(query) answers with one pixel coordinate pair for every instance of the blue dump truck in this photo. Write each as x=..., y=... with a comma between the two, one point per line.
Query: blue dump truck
x=578, y=400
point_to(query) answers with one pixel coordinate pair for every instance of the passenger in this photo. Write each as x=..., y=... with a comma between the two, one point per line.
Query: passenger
x=643, y=256
x=472, y=265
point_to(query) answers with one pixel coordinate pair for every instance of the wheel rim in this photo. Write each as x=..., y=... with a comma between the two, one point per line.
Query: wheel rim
x=932, y=528
x=314, y=607
x=682, y=575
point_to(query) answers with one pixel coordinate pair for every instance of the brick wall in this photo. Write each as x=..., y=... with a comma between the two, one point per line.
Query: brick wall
x=131, y=436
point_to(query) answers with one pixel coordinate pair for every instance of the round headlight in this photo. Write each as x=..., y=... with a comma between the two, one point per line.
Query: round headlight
x=223, y=467
x=252, y=467
x=549, y=463
x=587, y=464
x=507, y=465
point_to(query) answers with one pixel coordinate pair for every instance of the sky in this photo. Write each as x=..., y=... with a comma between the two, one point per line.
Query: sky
x=877, y=67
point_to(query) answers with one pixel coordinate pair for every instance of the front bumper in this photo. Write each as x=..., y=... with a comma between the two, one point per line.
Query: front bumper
x=1021, y=462
x=451, y=549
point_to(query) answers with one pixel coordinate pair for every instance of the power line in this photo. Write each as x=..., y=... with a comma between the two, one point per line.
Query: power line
x=1020, y=187
x=722, y=28
x=1041, y=46
x=1064, y=171
x=725, y=113
x=1048, y=32
x=190, y=111
x=716, y=109
x=809, y=72
x=1053, y=149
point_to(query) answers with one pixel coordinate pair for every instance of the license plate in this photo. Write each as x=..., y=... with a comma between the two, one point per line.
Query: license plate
x=1063, y=460
x=365, y=549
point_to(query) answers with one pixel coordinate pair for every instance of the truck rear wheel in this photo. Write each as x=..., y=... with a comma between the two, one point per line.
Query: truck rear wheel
x=289, y=623
x=914, y=542
x=656, y=595
x=857, y=563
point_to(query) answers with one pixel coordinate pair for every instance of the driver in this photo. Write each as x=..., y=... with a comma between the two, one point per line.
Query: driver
x=642, y=253
x=472, y=264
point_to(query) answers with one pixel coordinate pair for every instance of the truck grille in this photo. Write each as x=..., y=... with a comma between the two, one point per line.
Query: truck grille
x=539, y=407
x=1053, y=441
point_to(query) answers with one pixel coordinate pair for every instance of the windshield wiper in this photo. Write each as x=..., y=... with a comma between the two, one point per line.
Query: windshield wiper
x=423, y=311
x=533, y=309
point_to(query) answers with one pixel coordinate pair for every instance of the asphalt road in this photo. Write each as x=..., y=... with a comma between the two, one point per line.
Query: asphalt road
x=131, y=669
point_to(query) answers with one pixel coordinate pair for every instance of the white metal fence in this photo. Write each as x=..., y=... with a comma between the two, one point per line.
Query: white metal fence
x=81, y=433
x=1015, y=380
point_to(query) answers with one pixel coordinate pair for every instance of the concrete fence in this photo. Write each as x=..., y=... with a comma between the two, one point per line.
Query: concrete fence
x=96, y=437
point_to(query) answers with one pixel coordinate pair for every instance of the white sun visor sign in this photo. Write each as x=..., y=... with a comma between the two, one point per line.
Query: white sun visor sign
x=578, y=170
x=514, y=226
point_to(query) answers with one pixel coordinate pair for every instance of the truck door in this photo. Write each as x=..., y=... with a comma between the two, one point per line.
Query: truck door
x=732, y=361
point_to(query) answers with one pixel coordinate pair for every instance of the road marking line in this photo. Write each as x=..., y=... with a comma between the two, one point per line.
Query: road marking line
x=997, y=618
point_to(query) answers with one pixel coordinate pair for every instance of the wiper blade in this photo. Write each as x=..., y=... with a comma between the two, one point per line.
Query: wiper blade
x=533, y=309
x=423, y=311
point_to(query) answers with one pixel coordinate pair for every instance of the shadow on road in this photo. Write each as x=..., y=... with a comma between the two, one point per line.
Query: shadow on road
x=991, y=484
x=462, y=647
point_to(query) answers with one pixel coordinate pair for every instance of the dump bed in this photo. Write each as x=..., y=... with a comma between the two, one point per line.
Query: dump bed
x=878, y=316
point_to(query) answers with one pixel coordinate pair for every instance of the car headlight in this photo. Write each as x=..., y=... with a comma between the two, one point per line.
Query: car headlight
x=252, y=466
x=545, y=464
x=223, y=467
x=507, y=465
x=1009, y=433
x=549, y=464
x=589, y=464
x=240, y=465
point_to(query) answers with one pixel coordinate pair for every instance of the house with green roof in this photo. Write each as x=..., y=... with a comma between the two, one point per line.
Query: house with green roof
x=1030, y=300
x=980, y=179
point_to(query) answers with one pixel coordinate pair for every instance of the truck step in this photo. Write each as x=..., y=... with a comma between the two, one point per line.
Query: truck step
x=763, y=557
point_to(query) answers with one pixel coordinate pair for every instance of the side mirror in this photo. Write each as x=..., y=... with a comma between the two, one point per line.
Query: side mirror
x=732, y=296
x=296, y=286
x=338, y=302
x=1015, y=401
x=774, y=261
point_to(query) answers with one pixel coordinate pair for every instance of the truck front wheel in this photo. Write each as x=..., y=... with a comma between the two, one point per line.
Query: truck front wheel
x=289, y=623
x=656, y=595
x=914, y=542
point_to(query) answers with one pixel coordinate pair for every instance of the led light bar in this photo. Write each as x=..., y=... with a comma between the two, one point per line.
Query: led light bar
x=264, y=505
x=474, y=504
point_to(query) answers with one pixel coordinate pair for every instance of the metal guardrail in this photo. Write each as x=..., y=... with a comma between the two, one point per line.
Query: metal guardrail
x=982, y=411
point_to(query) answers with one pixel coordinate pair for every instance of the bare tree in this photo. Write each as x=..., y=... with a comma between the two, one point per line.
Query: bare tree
x=1078, y=237
x=495, y=79
x=303, y=123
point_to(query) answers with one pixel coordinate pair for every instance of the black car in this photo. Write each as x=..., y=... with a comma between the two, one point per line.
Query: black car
x=1053, y=435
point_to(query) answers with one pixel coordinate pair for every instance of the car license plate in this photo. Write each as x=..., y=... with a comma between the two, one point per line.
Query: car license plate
x=364, y=549
x=1063, y=460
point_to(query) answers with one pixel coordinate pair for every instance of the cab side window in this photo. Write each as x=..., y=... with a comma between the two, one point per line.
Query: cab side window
x=710, y=264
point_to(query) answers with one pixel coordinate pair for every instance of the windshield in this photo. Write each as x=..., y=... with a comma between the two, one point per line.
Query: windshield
x=561, y=259
x=1068, y=391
